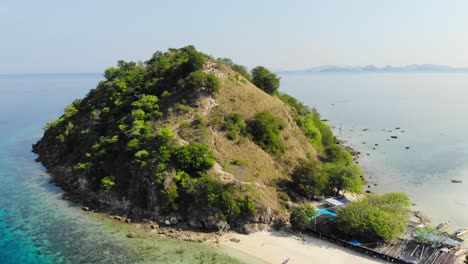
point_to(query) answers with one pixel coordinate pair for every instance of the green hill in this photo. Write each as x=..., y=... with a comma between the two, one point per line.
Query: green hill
x=188, y=136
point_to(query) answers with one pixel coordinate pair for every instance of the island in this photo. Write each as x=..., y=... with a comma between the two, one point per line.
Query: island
x=187, y=141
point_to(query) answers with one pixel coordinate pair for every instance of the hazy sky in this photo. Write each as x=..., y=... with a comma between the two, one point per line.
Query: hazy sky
x=88, y=36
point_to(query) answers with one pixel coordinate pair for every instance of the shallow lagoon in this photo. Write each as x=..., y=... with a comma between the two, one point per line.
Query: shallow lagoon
x=430, y=109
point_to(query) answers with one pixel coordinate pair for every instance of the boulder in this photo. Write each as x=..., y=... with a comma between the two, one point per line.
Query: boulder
x=235, y=240
x=249, y=228
x=131, y=235
x=195, y=223
x=167, y=222
x=213, y=224
x=173, y=221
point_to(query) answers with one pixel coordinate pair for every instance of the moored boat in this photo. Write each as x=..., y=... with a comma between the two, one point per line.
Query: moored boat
x=442, y=226
x=460, y=232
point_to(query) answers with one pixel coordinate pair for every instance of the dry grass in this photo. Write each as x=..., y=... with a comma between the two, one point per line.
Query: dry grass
x=258, y=169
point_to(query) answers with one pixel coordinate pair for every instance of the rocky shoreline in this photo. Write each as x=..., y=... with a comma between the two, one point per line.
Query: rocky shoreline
x=169, y=229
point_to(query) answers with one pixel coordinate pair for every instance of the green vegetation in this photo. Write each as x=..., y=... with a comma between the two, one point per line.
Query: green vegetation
x=312, y=178
x=265, y=80
x=342, y=177
x=200, y=81
x=319, y=133
x=194, y=158
x=107, y=183
x=148, y=138
x=266, y=129
x=302, y=217
x=384, y=216
x=234, y=125
x=116, y=131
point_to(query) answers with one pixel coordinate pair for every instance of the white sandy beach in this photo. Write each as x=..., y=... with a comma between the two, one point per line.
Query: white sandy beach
x=276, y=247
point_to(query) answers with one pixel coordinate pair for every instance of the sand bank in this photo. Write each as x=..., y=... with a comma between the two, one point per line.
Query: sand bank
x=276, y=247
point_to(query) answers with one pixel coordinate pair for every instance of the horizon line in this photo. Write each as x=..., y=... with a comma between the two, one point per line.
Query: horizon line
x=325, y=66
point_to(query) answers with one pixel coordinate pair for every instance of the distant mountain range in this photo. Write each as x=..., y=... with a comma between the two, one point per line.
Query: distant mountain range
x=375, y=69
x=50, y=75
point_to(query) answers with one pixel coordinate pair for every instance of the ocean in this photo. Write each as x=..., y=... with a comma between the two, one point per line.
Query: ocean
x=36, y=224
x=427, y=112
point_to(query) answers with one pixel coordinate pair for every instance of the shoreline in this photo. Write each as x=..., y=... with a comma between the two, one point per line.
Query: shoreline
x=258, y=247
x=280, y=246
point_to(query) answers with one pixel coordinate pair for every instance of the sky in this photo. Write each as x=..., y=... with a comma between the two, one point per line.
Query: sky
x=54, y=36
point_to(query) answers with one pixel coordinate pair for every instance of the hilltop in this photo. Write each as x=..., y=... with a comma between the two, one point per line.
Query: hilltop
x=188, y=138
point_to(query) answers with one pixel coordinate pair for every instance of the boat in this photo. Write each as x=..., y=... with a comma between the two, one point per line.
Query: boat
x=457, y=181
x=442, y=226
x=460, y=232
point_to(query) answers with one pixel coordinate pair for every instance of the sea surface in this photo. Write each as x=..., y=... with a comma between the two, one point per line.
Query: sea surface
x=36, y=224
x=427, y=112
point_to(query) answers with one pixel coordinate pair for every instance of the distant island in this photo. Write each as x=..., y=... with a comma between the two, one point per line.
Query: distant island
x=413, y=68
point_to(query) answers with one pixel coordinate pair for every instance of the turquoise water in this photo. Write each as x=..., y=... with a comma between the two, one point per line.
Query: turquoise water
x=431, y=111
x=36, y=225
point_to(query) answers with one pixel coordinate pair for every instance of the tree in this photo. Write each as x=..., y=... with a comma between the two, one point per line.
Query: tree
x=200, y=81
x=337, y=154
x=342, y=177
x=301, y=217
x=309, y=179
x=384, y=216
x=195, y=60
x=265, y=80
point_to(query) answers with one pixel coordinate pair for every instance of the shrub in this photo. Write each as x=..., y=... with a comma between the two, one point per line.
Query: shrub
x=301, y=217
x=234, y=125
x=169, y=197
x=266, y=129
x=194, y=158
x=107, y=183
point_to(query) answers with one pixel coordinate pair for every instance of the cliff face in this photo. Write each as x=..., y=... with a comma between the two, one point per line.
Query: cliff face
x=177, y=137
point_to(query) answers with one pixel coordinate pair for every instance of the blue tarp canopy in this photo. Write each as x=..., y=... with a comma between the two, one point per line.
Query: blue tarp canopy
x=355, y=242
x=326, y=212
